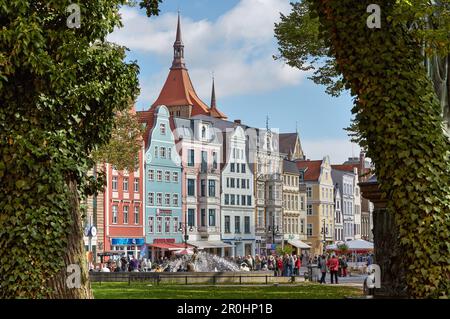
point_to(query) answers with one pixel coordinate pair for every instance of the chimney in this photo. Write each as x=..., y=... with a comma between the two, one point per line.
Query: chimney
x=237, y=121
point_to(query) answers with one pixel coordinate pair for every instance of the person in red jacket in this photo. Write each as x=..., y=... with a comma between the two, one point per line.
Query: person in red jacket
x=298, y=264
x=333, y=265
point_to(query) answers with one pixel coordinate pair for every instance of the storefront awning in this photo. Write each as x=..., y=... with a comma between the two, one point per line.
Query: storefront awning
x=169, y=246
x=209, y=244
x=298, y=243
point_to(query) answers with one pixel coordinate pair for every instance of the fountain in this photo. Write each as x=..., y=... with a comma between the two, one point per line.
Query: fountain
x=201, y=262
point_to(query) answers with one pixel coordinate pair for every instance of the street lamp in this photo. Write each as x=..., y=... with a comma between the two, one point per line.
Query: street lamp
x=324, y=232
x=185, y=227
x=274, y=230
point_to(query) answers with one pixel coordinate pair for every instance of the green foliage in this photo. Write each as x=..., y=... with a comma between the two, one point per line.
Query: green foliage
x=397, y=119
x=285, y=250
x=343, y=247
x=123, y=148
x=60, y=89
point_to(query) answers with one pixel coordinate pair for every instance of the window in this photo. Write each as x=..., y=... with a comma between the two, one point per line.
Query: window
x=260, y=220
x=232, y=201
x=203, y=187
x=227, y=225
x=167, y=199
x=309, y=210
x=309, y=192
x=237, y=167
x=214, y=165
x=203, y=132
x=159, y=199
x=232, y=183
x=175, y=177
x=203, y=217
x=302, y=203
x=191, y=217
x=114, y=183
x=237, y=182
x=227, y=199
x=191, y=187
x=228, y=182
x=136, y=214
x=136, y=185
x=309, y=230
x=212, y=188
x=248, y=184
x=270, y=192
x=191, y=157
x=247, y=224
x=162, y=129
x=159, y=224
x=167, y=176
x=125, y=184
x=302, y=226
x=125, y=214
x=151, y=224
x=237, y=224
x=243, y=183
x=238, y=200
x=204, y=164
x=242, y=199
x=167, y=225
x=159, y=176
x=151, y=198
x=212, y=217
x=249, y=200
x=115, y=211
x=162, y=152
x=175, y=200
x=232, y=167
x=169, y=153
x=175, y=224
x=151, y=175
x=243, y=168
x=156, y=151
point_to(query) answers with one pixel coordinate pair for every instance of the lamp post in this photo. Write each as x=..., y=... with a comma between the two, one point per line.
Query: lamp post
x=274, y=230
x=324, y=232
x=185, y=236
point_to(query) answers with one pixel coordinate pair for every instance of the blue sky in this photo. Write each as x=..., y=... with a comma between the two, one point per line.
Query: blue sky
x=234, y=39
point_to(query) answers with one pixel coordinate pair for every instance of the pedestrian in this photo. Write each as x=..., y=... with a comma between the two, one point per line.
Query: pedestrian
x=344, y=266
x=279, y=266
x=291, y=263
x=333, y=265
x=298, y=265
x=323, y=268
x=341, y=263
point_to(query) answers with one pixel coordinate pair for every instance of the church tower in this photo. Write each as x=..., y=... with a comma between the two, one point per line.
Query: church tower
x=178, y=93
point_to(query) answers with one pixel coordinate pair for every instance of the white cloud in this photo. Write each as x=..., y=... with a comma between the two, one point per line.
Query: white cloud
x=238, y=47
x=339, y=150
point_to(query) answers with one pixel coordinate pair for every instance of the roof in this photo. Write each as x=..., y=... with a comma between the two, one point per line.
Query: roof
x=311, y=169
x=290, y=167
x=346, y=167
x=287, y=142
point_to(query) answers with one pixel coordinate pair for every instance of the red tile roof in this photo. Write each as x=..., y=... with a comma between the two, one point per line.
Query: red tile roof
x=345, y=167
x=311, y=168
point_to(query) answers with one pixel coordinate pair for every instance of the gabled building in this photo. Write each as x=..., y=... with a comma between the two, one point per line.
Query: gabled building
x=291, y=147
x=294, y=208
x=163, y=185
x=316, y=175
x=338, y=217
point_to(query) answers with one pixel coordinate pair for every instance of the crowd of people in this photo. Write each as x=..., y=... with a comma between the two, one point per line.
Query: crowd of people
x=284, y=265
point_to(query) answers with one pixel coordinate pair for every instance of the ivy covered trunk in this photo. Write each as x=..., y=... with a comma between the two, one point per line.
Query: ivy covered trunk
x=75, y=254
x=398, y=120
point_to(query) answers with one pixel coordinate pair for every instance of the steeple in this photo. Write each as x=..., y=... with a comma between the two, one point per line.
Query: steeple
x=178, y=49
x=213, y=95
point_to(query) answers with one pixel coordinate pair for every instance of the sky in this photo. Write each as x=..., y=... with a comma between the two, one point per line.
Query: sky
x=234, y=40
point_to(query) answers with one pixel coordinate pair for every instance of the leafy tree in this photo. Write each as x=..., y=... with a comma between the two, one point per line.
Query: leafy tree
x=397, y=115
x=285, y=250
x=60, y=89
x=123, y=148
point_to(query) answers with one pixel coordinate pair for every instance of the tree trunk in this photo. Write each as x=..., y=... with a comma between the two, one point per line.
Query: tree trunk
x=64, y=284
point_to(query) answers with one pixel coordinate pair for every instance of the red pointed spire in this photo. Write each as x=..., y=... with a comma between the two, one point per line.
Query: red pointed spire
x=178, y=49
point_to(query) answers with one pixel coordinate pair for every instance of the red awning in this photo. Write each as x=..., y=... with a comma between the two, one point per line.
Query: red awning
x=170, y=246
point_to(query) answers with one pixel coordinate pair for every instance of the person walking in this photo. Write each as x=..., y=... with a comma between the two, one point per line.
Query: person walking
x=322, y=263
x=298, y=265
x=333, y=265
x=344, y=266
x=279, y=266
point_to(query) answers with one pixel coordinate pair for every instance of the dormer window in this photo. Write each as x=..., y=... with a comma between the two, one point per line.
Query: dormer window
x=162, y=129
x=203, y=132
